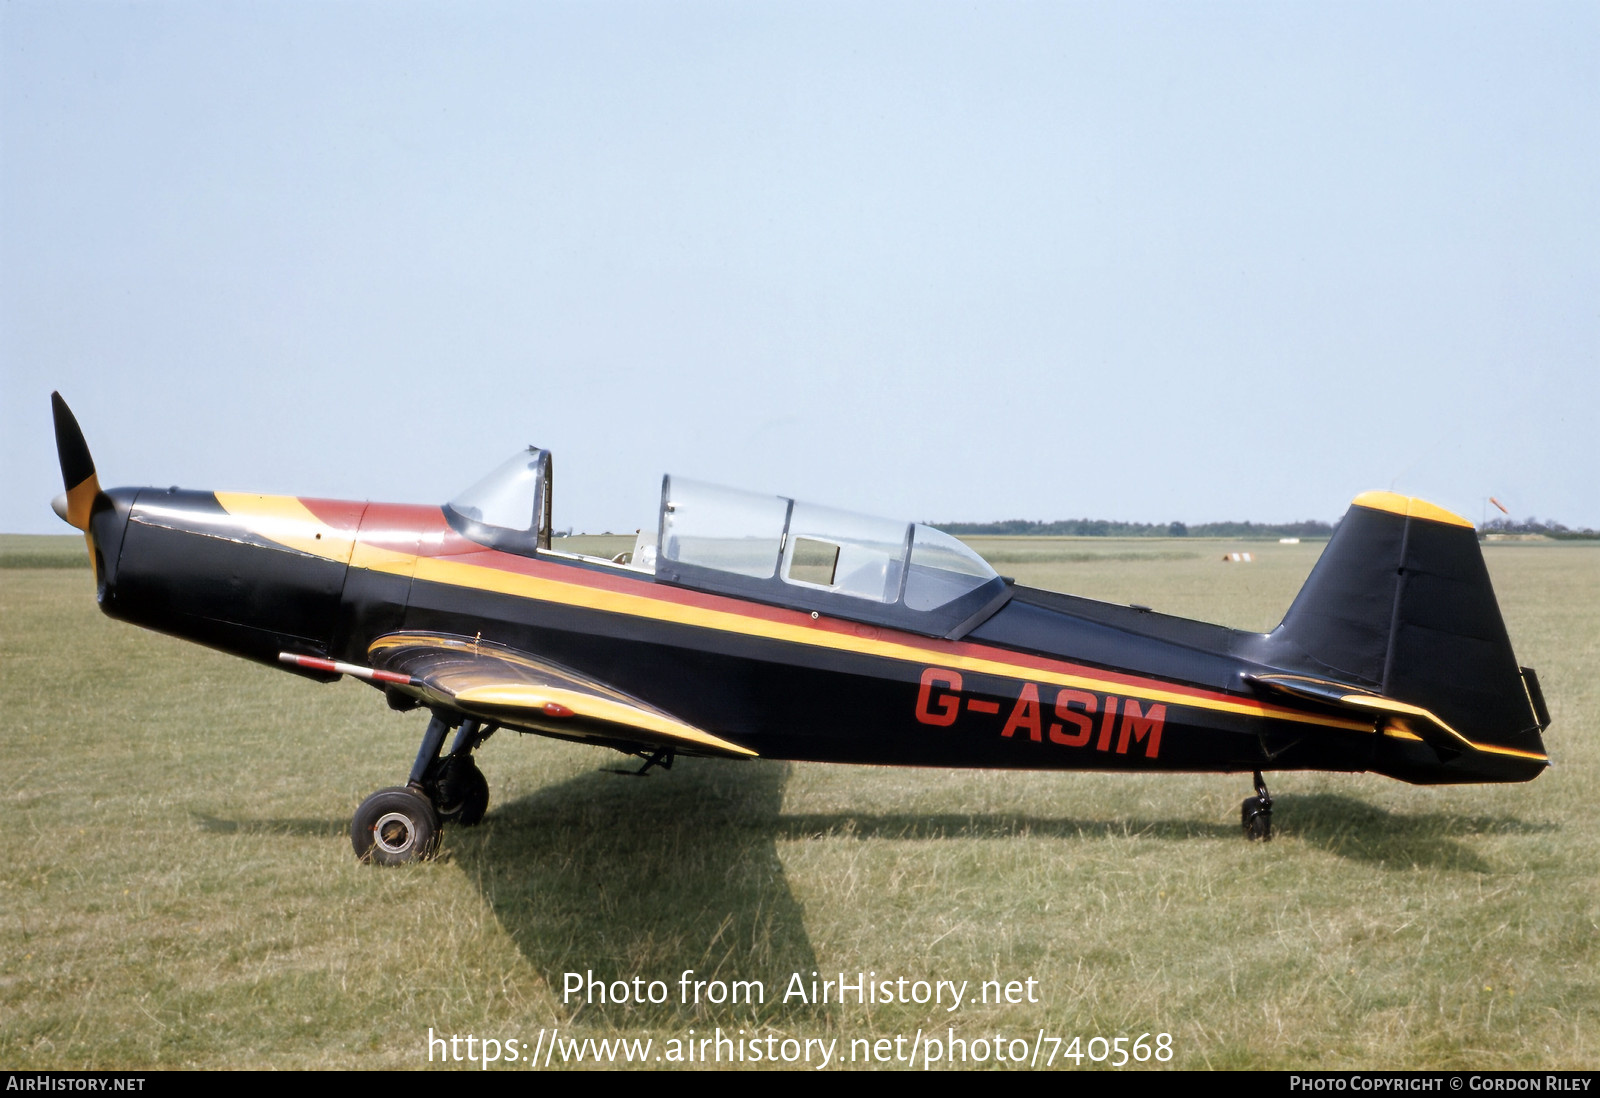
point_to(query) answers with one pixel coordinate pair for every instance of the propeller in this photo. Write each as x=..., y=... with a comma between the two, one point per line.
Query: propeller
x=75, y=505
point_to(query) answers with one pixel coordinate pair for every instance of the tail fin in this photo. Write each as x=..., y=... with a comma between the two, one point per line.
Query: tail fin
x=1400, y=605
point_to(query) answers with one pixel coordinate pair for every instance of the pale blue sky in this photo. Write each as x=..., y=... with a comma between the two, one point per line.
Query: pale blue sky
x=931, y=260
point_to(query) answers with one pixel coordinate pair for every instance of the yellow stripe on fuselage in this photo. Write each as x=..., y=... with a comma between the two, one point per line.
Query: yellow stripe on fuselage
x=287, y=521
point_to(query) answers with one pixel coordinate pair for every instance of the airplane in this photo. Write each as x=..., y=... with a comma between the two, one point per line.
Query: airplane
x=748, y=625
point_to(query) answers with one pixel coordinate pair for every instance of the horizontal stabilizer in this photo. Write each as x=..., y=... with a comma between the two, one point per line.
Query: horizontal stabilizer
x=1406, y=718
x=1391, y=717
x=499, y=684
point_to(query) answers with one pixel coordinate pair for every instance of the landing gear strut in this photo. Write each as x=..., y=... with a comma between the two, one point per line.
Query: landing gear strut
x=1256, y=813
x=400, y=825
x=458, y=790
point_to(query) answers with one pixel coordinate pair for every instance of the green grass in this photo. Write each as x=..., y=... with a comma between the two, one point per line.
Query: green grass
x=43, y=551
x=181, y=892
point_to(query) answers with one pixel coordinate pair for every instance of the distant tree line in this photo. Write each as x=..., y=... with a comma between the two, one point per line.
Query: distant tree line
x=1531, y=525
x=1311, y=528
x=1104, y=528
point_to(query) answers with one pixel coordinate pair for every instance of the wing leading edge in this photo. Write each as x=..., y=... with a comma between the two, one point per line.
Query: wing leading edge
x=504, y=686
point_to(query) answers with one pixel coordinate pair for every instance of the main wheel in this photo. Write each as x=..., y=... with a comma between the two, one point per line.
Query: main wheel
x=1257, y=821
x=459, y=791
x=394, y=827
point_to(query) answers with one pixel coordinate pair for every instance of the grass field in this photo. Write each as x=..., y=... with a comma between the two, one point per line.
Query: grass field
x=181, y=890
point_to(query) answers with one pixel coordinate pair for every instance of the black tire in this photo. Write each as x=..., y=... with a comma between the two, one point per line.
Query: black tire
x=474, y=798
x=395, y=827
x=1257, y=821
x=458, y=789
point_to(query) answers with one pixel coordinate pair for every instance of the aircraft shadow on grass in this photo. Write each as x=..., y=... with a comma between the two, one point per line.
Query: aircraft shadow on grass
x=1354, y=829
x=303, y=826
x=650, y=878
x=627, y=878
x=1340, y=825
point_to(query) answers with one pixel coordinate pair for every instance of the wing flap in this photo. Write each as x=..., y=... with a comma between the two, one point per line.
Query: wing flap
x=500, y=684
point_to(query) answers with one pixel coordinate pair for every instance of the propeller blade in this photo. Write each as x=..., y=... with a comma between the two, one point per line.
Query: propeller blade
x=77, y=467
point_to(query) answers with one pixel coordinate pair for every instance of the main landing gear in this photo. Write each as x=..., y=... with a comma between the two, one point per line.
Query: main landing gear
x=1256, y=813
x=399, y=825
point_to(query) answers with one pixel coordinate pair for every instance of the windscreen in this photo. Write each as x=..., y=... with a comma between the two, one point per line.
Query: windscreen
x=509, y=508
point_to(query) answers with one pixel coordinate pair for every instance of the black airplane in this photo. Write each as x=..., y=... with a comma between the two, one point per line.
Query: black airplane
x=747, y=625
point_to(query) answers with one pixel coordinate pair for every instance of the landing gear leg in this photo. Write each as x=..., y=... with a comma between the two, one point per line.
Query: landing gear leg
x=1256, y=813
x=428, y=753
x=401, y=825
x=454, y=783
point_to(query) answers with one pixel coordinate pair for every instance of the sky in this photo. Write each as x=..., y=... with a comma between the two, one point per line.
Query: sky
x=936, y=261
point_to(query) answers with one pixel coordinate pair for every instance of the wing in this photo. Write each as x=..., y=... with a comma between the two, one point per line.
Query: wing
x=507, y=687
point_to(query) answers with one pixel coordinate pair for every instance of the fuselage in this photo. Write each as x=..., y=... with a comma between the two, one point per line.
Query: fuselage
x=1044, y=681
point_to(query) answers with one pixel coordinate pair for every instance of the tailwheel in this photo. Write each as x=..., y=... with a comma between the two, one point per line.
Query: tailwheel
x=458, y=790
x=395, y=827
x=1256, y=813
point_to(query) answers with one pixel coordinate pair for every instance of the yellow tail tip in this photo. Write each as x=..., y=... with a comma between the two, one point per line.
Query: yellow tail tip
x=1409, y=506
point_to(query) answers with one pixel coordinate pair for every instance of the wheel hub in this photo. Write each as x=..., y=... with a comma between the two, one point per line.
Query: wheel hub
x=394, y=833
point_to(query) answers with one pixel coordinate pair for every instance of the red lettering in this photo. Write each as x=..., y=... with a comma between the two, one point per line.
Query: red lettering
x=1108, y=720
x=949, y=704
x=1064, y=702
x=1144, y=727
x=1025, y=714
